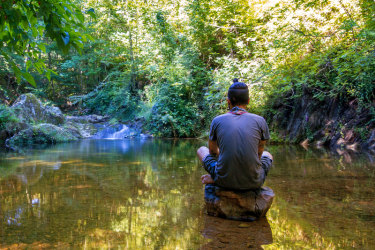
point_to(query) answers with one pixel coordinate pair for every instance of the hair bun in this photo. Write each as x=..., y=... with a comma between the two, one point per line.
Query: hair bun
x=235, y=80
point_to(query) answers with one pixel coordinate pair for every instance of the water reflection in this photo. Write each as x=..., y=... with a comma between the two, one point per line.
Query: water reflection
x=132, y=194
x=322, y=200
x=147, y=194
x=236, y=235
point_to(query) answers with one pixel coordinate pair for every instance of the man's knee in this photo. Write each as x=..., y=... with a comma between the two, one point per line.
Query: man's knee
x=267, y=154
x=202, y=152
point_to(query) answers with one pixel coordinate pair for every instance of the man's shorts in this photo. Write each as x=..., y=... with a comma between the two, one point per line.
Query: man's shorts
x=210, y=163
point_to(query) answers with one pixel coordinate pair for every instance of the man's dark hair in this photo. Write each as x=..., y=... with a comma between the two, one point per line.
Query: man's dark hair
x=238, y=93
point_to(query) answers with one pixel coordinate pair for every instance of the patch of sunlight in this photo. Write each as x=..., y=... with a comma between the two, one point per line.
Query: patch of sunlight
x=15, y=158
x=90, y=164
x=37, y=245
x=143, y=226
x=80, y=186
x=150, y=176
x=71, y=161
x=135, y=163
x=175, y=191
x=40, y=163
x=294, y=232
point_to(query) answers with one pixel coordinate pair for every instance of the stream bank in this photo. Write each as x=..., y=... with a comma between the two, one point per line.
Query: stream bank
x=36, y=123
x=333, y=123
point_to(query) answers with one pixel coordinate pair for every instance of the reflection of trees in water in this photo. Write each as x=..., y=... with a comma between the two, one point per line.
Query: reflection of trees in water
x=320, y=199
x=236, y=234
x=144, y=196
x=148, y=195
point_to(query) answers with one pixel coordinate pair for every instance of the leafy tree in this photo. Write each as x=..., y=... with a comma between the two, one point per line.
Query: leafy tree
x=24, y=23
x=172, y=62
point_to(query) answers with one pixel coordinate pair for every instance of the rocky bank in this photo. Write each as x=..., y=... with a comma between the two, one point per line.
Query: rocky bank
x=334, y=123
x=37, y=123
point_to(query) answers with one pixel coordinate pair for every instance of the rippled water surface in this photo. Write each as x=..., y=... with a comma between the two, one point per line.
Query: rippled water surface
x=145, y=194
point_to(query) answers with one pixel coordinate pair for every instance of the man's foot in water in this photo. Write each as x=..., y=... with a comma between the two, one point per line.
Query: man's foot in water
x=206, y=179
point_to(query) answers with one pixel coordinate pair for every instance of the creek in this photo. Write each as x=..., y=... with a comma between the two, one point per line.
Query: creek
x=146, y=194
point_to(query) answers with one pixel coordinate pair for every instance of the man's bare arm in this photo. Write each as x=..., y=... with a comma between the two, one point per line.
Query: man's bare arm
x=213, y=148
x=261, y=148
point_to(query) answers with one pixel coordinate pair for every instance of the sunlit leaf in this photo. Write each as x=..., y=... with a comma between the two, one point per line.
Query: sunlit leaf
x=29, y=78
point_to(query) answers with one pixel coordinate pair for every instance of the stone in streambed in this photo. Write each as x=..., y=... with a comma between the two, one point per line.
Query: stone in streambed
x=238, y=205
x=41, y=134
x=80, y=128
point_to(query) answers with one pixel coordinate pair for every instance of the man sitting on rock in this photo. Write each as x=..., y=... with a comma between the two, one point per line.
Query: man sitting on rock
x=236, y=158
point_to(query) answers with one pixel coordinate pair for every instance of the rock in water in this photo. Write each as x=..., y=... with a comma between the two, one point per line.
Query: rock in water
x=29, y=109
x=41, y=134
x=84, y=126
x=237, y=205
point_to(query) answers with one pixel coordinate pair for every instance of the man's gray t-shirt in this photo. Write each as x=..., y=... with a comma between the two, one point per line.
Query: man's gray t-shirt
x=238, y=138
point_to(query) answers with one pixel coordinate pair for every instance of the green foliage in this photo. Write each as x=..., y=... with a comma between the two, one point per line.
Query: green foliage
x=112, y=99
x=177, y=97
x=173, y=61
x=173, y=114
x=23, y=22
x=7, y=117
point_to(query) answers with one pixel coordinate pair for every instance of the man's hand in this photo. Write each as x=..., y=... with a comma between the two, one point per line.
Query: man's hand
x=213, y=148
x=261, y=148
x=207, y=179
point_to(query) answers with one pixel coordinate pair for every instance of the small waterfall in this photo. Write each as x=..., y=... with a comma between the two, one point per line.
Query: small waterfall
x=115, y=132
x=119, y=134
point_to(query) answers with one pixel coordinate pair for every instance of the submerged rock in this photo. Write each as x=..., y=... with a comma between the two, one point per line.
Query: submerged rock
x=239, y=205
x=29, y=109
x=41, y=134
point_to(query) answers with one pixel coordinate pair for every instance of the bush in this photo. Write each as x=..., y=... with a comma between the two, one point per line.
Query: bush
x=7, y=117
x=114, y=99
x=345, y=73
x=174, y=114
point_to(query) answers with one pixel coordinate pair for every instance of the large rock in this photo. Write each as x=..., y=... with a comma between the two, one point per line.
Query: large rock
x=81, y=130
x=246, y=205
x=84, y=126
x=41, y=134
x=29, y=109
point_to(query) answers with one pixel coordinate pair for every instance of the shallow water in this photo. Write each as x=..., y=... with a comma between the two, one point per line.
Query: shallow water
x=144, y=194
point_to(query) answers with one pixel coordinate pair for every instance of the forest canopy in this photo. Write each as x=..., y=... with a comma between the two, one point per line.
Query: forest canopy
x=171, y=62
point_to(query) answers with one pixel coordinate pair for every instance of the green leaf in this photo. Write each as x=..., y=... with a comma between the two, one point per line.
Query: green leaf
x=48, y=75
x=28, y=64
x=91, y=12
x=42, y=47
x=28, y=77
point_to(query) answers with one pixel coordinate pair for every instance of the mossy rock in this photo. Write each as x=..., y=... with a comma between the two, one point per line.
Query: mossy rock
x=41, y=134
x=29, y=109
x=81, y=130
